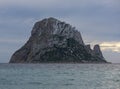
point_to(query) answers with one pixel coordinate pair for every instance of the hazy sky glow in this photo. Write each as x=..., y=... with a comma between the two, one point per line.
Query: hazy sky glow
x=113, y=46
x=97, y=20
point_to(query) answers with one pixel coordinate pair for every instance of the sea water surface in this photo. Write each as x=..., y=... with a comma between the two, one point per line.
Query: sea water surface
x=59, y=76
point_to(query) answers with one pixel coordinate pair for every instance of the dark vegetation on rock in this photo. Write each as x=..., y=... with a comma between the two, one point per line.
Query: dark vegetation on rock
x=55, y=41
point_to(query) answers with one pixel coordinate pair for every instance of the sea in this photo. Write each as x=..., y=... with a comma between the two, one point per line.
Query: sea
x=59, y=76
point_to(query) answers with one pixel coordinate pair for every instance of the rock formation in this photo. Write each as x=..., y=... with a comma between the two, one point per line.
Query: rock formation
x=55, y=41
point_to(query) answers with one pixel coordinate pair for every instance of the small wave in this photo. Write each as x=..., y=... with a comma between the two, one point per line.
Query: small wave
x=35, y=83
x=68, y=84
x=71, y=79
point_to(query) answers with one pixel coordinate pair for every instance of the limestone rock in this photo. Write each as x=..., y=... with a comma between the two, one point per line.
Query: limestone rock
x=55, y=41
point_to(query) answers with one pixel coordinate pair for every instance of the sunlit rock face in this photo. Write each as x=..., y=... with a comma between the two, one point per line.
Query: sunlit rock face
x=55, y=41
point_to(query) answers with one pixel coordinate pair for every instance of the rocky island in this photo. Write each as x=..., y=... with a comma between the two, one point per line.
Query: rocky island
x=55, y=41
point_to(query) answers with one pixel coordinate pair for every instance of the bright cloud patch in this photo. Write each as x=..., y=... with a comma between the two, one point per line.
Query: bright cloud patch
x=113, y=46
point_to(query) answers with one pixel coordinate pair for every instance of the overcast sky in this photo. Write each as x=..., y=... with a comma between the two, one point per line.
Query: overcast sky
x=97, y=20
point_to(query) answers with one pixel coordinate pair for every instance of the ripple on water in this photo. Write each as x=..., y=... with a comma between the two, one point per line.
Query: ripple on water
x=59, y=76
x=35, y=83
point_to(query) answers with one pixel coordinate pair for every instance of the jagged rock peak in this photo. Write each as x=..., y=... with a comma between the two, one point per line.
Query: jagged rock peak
x=51, y=22
x=52, y=26
x=97, y=50
x=88, y=46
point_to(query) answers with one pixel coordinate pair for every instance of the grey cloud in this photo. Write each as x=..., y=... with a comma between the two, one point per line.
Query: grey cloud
x=111, y=56
x=97, y=20
x=65, y=3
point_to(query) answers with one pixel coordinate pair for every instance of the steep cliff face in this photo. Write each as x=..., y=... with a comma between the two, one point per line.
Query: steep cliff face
x=55, y=41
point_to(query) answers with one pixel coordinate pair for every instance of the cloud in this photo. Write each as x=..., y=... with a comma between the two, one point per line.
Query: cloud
x=38, y=2
x=97, y=20
x=111, y=46
x=60, y=4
